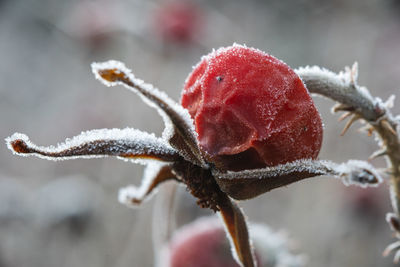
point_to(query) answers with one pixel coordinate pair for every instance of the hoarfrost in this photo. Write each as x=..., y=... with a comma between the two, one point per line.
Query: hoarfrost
x=131, y=194
x=343, y=79
x=232, y=243
x=303, y=165
x=123, y=143
x=343, y=88
x=149, y=94
x=352, y=172
x=357, y=172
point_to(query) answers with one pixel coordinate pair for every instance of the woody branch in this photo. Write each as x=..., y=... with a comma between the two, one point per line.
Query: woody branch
x=357, y=103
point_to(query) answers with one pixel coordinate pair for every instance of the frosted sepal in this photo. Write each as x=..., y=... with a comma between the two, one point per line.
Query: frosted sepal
x=154, y=174
x=176, y=118
x=355, y=172
x=125, y=144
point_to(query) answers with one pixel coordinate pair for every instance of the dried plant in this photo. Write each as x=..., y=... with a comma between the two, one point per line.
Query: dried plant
x=177, y=155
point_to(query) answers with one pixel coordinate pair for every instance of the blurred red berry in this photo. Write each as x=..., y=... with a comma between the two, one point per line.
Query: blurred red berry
x=203, y=243
x=365, y=202
x=178, y=21
x=201, y=246
x=251, y=110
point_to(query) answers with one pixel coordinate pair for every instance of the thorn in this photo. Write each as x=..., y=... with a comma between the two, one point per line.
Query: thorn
x=354, y=73
x=344, y=116
x=370, y=131
x=390, y=102
x=367, y=128
x=341, y=107
x=378, y=153
x=388, y=171
x=349, y=123
x=388, y=127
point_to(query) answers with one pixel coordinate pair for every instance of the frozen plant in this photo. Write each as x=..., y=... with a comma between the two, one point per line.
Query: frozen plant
x=184, y=154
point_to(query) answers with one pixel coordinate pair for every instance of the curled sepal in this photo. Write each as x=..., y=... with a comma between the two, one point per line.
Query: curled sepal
x=237, y=232
x=125, y=144
x=251, y=183
x=154, y=174
x=179, y=127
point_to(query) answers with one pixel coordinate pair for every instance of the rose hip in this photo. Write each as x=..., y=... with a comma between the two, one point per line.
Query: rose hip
x=251, y=110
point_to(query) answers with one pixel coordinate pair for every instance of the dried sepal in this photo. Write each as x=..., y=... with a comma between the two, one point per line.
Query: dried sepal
x=125, y=144
x=113, y=73
x=237, y=232
x=251, y=183
x=154, y=174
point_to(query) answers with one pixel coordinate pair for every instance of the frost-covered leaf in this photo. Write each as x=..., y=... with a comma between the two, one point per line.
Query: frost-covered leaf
x=125, y=144
x=177, y=119
x=154, y=174
x=251, y=183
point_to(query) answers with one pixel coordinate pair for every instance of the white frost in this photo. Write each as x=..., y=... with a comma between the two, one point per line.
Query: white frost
x=150, y=89
x=357, y=172
x=141, y=194
x=352, y=172
x=303, y=165
x=126, y=141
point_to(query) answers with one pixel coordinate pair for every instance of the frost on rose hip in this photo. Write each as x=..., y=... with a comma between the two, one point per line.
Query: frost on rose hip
x=251, y=110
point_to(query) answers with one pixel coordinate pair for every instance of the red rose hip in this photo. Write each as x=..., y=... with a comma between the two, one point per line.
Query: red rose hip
x=251, y=110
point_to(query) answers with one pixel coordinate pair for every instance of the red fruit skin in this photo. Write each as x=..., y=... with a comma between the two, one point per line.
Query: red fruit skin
x=251, y=110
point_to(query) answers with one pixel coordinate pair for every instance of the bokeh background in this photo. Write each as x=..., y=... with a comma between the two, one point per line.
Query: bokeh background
x=67, y=213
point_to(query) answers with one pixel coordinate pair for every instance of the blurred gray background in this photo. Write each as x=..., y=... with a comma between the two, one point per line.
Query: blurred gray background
x=67, y=213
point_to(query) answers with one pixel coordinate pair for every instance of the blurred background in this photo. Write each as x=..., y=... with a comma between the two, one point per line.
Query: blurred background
x=67, y=213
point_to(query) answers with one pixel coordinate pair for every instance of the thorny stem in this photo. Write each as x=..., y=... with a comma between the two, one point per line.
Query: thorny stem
x=343, y=88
